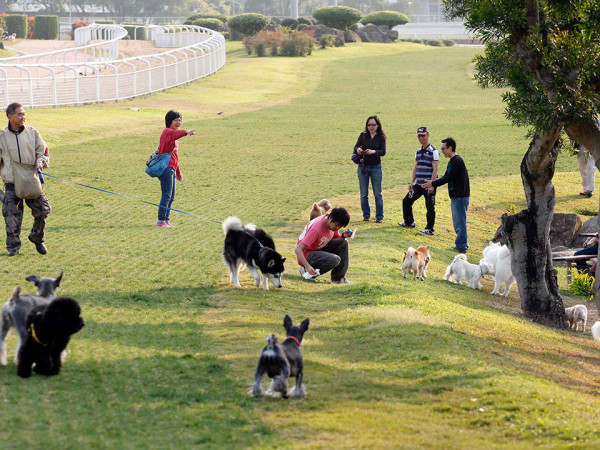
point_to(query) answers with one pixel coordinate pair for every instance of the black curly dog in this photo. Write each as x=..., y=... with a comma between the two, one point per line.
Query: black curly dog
x=49, y=329
x=281, y=361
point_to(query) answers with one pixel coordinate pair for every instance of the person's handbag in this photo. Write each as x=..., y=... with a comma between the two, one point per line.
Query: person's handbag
x=27, y=183
x=356, y=158
x=157, y=164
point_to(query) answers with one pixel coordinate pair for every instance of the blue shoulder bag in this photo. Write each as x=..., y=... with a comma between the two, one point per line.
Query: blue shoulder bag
x=157, y=164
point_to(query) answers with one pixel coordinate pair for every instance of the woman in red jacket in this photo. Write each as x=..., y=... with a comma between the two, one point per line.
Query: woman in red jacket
x=168, y=143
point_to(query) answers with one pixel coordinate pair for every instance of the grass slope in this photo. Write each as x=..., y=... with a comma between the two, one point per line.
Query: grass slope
x=169, y=348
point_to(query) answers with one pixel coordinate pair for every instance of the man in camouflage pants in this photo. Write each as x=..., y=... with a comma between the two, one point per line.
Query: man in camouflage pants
x=25, y=143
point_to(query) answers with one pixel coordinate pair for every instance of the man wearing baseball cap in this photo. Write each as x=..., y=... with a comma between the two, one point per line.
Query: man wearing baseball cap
x=426, y=168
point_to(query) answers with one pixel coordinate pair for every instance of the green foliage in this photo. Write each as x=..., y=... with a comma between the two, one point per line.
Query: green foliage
x=17, y=24
x=581, y=286
x=511, y=208
x=193, y=17
x=387, y=18
x=448, y=42
x=339, y=17
x=248, y=24
x=46, y=27
x=290, y=22
x=433, y=42
x=104, y=22
x=327, y=40
x=135, y=30
x=211, y=24
x=305, y=21
x=549, y=63
x=295, y=43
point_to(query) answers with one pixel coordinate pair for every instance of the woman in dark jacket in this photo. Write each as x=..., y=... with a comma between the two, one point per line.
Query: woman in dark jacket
x=371, y=147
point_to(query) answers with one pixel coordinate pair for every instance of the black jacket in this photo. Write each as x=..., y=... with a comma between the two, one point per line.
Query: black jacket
x=377, y=143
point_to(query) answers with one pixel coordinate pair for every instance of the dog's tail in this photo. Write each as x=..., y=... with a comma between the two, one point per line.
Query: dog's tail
x=460, y=256
x=596, y=331
x=15, y=294
x=504, y=252
x=232, y=223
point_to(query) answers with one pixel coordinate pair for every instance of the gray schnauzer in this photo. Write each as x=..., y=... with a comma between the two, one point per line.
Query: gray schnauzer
x=281, y=361
x=15, y=310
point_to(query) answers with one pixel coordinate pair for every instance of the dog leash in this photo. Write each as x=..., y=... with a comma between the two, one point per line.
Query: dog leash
x=31, y=329
x=130, y=198
x=255, y=238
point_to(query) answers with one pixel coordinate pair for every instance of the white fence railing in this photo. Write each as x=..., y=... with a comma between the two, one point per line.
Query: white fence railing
x=91, y=72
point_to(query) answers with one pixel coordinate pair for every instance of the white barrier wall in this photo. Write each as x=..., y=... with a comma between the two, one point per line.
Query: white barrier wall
x=91, y=72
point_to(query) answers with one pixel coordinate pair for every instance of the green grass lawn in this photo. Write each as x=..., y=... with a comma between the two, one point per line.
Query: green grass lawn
x=169, y=348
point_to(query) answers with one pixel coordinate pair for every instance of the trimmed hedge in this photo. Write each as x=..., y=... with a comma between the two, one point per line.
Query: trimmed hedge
x=135, y=30
x=387, y=18
x=193, y=17
x=46, y=27
x=248, y=24
x=211, y=24
x=339, y=17
x=305, y=21
x=105, y=22
x=17, y=23
x=290, y=22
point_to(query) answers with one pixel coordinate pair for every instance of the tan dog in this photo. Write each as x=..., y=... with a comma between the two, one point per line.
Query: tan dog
x=416, y=261
x=319, y=209
x=575, y=315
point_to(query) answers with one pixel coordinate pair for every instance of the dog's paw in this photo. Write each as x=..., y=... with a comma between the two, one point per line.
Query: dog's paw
x=257, y=282
x=255, y=391
x=297, y=393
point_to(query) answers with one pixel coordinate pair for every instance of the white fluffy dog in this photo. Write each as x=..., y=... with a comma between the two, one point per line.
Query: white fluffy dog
x=596, y=331
x=461, y=269
x=575, y=315
x=498, y=256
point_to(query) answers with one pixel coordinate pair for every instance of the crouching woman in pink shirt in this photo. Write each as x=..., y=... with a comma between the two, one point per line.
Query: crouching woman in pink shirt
x=321, y=247
x=168, y=143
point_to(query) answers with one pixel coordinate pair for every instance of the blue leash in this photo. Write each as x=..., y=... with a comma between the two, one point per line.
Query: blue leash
x=128, y=197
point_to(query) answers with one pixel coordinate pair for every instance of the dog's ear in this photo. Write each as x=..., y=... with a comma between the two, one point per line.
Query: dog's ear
x=287, y=322
x=57, y=281
x=33, y=278
x=304, y=326
x=427, y=247
x=271, y=264
x=283, y=260
x=16, y=292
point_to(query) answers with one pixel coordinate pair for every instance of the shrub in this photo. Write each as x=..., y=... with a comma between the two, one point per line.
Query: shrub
x=354, y=27
x=297, y=43
x=193, y=17
x=290, y=22
x=135, y=30
x=387, y=18
x=105, y=22
x=305, y=21
x=302, y=26
x=448, y=42
x=248, y=24
x=46, y=27
x=433, y=42
x=78, y=24
x=581, y=285
x=17, y=24
x=327, y=40
x=340, y=17
x=263, y=40
x=211, y=24
x=30, y=27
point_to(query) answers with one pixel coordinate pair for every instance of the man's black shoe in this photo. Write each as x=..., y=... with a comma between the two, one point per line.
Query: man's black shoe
x=40, y=247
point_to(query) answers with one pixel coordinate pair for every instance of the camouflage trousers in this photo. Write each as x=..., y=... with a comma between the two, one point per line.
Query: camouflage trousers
x=12, y=210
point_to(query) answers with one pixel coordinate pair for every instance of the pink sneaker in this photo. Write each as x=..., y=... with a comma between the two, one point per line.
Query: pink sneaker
x=170, y=225
x=162, y=224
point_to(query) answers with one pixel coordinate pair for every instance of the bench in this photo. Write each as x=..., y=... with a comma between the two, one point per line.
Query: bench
x=569, y=260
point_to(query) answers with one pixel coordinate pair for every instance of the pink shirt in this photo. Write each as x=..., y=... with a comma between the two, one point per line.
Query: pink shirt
x=316, y=235
x=168, y=143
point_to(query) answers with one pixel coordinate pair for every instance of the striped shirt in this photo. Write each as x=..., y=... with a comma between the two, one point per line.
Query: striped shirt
x=425, y=157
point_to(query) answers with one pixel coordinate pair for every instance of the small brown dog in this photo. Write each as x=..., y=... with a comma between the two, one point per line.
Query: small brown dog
x=319, y=209
x=416, y=261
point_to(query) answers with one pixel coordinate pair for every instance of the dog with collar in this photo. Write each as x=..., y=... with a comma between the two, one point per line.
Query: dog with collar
x=281, y=361
x=253, y=247
x=15, y=310
x=49, y=329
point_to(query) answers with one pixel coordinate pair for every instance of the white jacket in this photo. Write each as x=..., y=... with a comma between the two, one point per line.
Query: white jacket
x=27, y=146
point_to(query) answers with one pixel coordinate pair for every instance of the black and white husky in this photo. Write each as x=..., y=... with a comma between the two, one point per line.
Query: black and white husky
x=255, y=248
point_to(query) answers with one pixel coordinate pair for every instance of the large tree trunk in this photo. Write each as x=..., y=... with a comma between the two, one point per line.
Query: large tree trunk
x=526, y=235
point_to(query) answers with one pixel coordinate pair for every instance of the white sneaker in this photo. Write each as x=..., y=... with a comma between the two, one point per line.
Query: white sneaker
x=343, y=280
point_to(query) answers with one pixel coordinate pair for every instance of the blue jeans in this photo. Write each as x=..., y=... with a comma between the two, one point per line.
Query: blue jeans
x=167, y=187
x=376, y=175
x=459, y=208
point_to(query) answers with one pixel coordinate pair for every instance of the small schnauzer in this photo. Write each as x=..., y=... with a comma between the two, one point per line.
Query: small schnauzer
x=281, y=361
x=49, y=329
x=15, y=310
